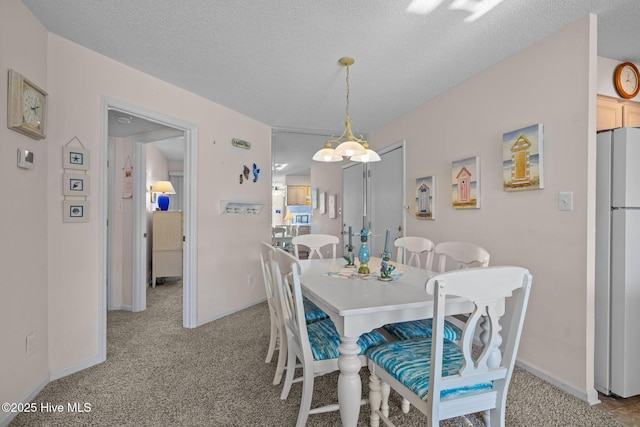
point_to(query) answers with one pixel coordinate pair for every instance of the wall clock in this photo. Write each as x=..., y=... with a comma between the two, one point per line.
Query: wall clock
x=626, y=80
x=26, y=107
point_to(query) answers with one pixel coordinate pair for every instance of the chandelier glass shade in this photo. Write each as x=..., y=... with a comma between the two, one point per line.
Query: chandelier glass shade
x=348, y=145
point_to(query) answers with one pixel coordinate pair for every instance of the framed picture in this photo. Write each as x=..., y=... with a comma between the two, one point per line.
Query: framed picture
x=314, y=198
x=465, y=183
x=75, y=211
x=425, y=197
x=522, y=165
x=321, y=202
x=75, y=158
x=75, y=184
x=332, y=206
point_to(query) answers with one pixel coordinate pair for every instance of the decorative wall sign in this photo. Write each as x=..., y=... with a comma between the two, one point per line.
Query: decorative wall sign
x=241, y=144
x=522, y=166
x=425, y=197
x=465, y=183
x=321, y=202
x=75, y=158
x=332, y=206
x=256, y=171
x=314, y=198
x=75, y=211
x=75, y=184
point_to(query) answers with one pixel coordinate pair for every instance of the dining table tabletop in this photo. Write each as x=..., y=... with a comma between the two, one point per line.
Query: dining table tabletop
x=360, y=303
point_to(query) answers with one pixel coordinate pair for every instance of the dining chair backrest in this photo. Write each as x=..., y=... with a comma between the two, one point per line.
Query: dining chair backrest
x=444, y=379
x=278, y=231
x=283, y=261
x=315, y=242
x=460, y=255
x=267, y=256
x=412, y=247
x=487, y=288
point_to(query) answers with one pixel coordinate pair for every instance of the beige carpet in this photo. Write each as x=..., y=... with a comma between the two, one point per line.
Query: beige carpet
x=160, y=374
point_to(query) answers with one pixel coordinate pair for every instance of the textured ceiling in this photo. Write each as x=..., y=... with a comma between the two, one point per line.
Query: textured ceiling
x=277, y=61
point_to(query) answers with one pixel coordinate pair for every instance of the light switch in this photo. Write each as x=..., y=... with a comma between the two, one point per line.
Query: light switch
x=565, y=201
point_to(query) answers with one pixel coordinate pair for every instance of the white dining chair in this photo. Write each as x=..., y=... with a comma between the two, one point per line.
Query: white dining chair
x=315, y=242
x=460, y=255
x=412, y=247
x=315, y=344
x=444, y=379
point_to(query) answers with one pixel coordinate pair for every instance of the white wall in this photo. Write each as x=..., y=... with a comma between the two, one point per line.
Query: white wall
x=522, y=228
x=23, y=222
x=52, y=269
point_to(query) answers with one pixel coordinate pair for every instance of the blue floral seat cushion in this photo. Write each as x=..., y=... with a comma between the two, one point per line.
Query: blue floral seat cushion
x=409, y=362
x=421, y=329
x=324, y=340
x=312, y=313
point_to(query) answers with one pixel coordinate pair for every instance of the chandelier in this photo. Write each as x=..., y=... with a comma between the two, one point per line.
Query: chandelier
x=348, y=146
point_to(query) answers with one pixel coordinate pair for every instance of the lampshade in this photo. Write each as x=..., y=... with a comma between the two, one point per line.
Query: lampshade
x=288, y=217
x=327, y=154
x=164, y=187
x=348, y=146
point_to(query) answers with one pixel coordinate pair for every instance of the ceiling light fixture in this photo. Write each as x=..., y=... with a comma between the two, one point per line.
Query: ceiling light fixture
x=125, y=120
x=355, y=149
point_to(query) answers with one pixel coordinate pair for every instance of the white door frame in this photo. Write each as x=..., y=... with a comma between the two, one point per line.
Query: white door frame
x=189, y=299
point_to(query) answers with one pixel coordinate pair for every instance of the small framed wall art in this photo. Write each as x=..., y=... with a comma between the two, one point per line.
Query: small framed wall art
x=332, y=206
x=425, y=197
x=465, y=183
x=321, y=202
x=522, y=162
x=75, y=211
x=75, y=158
x=75, y=184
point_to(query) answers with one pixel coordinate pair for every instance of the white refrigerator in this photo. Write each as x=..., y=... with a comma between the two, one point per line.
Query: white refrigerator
x=617, y=293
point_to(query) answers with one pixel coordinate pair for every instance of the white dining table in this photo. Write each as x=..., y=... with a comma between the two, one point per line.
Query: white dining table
x=358, y=304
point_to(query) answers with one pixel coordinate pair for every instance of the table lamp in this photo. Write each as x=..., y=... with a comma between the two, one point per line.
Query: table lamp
x=288, y=218
x=165, y=188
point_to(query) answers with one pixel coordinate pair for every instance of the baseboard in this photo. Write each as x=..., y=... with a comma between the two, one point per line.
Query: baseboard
x=120, y=307
x=74, y=368
x=589, y=396
x=28, y=397
x=226, y=313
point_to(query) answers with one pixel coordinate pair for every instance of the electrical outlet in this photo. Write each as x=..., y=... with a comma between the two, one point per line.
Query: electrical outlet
x=31, y=343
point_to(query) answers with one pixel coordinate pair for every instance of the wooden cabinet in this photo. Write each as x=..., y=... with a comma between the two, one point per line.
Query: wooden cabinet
x=298, y=195
x=614, y=113
x=167, y=245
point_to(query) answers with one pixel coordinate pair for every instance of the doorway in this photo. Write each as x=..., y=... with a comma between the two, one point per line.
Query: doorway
x=140, y=193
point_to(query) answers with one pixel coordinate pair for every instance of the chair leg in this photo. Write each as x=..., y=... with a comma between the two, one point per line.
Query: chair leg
x=405, y=406
x=307, y=395
x=288, y=379
x=282, y=359
x=375, y=399
x=272, y=342
x=386, y=390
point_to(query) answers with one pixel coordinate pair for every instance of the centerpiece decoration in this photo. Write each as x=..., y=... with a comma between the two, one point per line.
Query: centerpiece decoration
x=385, y=268
x=363, y=255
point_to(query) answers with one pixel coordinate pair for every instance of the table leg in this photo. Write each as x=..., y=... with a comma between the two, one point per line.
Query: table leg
x=349, y=384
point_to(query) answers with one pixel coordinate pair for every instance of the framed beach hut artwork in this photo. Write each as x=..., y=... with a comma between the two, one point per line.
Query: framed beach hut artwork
x=465, y=183
x=522, y=166
x=425, y=197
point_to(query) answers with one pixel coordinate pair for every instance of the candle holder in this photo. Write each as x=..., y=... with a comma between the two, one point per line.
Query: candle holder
x=349, y=256
x=385, y=268
x=349, y=247
x=363, y=255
